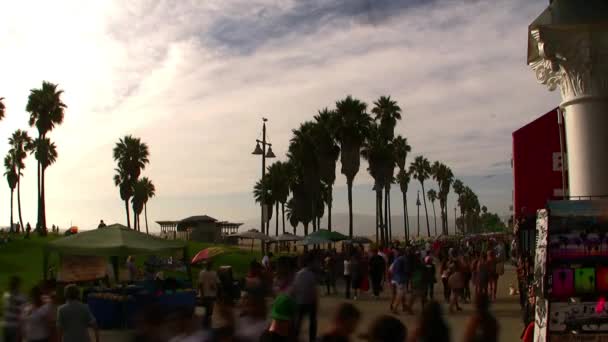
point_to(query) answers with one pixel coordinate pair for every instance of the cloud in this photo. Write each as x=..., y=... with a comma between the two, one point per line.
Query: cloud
x=193, y=79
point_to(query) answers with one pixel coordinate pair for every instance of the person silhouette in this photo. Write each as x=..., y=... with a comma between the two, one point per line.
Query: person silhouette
x=101, y=224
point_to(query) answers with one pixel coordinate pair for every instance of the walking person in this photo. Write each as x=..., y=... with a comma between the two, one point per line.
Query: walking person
x=307, y=298
x=432, y=326
x=445, y=274
x=74, y=318
x=419, y=284
x=282, y=313
x=492, y=274
x=456, y=283
x=208, y=283
x=344, y=324
x=377, y=270
x=483, y=276
x=14, y=302
x=482, y=326
x=430, y=277
x=356, y=271
x=347, y=277
x=468, y=274
x=328, y=271
x=38, y=318
x=400, y=277
x=386, y=329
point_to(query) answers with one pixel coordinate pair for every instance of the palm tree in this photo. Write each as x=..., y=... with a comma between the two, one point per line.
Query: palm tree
x=387, y=112
x=352, y=124
x=279, y=188
x=292, y=214
x=302, y=155
x=137, y=201
x=328, y=152
x=444, y=177
x=432, y=195
x=46, y=111
x=379, y=155
x=143, y=190
x=45, y=152
x=20, y=143
x=458, y=187
x=149, y=192
x=122, y=181
x=403, y=178
x=131, y=155
x=402, y=149
x=11, y=178
x=421, y=169
x=262, y=192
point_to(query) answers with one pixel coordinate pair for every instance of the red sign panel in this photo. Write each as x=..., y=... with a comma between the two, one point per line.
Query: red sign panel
x=537, y=164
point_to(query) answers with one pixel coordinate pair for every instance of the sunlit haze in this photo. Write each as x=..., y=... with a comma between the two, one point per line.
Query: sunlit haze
x=193, y=79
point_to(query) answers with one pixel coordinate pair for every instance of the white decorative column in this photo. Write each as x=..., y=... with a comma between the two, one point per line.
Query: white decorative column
x=569, y=50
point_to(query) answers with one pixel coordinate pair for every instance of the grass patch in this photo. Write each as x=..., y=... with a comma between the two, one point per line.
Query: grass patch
x=23, y=257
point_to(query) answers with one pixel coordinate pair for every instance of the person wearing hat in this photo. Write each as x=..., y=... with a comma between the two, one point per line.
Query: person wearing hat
x=282, y=314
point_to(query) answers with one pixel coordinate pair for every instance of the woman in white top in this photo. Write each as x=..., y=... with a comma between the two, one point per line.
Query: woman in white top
x=38, y=318
x=347, y=277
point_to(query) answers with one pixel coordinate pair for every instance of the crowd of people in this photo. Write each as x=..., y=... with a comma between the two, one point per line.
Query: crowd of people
x=279, y=293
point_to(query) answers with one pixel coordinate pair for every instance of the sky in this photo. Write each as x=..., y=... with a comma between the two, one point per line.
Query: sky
x=193, y=79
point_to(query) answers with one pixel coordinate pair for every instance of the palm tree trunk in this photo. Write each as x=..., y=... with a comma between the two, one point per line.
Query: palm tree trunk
x=283, y=215
x=377, y=220
x=128, y=218
x=349, y=184
x=390, y=218
x=435, y=217
x=42, y=200
x=426, y=212
x=329, y=204
x=19, y=203
x=386, y=228
x=12, y=226
x=276, y=219
x=406, y=230
x=38, y=221
x=380, y=213
x=146, y=216
x=136, y=220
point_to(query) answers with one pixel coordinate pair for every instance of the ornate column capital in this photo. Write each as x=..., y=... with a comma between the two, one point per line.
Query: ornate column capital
x=573, y=58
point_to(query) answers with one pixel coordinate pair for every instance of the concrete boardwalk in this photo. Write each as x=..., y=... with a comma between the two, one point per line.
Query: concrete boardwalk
x=506, y=309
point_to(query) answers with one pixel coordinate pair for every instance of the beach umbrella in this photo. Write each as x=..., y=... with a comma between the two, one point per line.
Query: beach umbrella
x=287, y=237
x=207, y=253
x=325, y=234
x=359, y=240
x=313, y=240
x=253, y=234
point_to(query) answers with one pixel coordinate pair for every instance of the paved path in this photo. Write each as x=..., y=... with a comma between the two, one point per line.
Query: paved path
x=506, y=309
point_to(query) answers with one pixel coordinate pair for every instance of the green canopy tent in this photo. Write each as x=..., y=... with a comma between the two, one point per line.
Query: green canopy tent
x=113, y=241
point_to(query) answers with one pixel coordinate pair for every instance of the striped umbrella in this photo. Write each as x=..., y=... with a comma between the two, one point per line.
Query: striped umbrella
x=207, y=253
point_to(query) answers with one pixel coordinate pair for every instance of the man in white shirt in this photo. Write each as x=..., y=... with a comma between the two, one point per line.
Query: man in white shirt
x=208, y=282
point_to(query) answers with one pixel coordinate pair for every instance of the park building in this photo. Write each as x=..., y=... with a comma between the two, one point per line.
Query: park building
x=201, y=228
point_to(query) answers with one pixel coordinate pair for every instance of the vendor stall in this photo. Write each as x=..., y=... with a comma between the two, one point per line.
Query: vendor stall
x=571, y=273
x=86, y=257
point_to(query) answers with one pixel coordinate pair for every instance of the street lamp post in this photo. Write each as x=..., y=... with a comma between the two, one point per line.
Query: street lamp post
x=262, y=151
